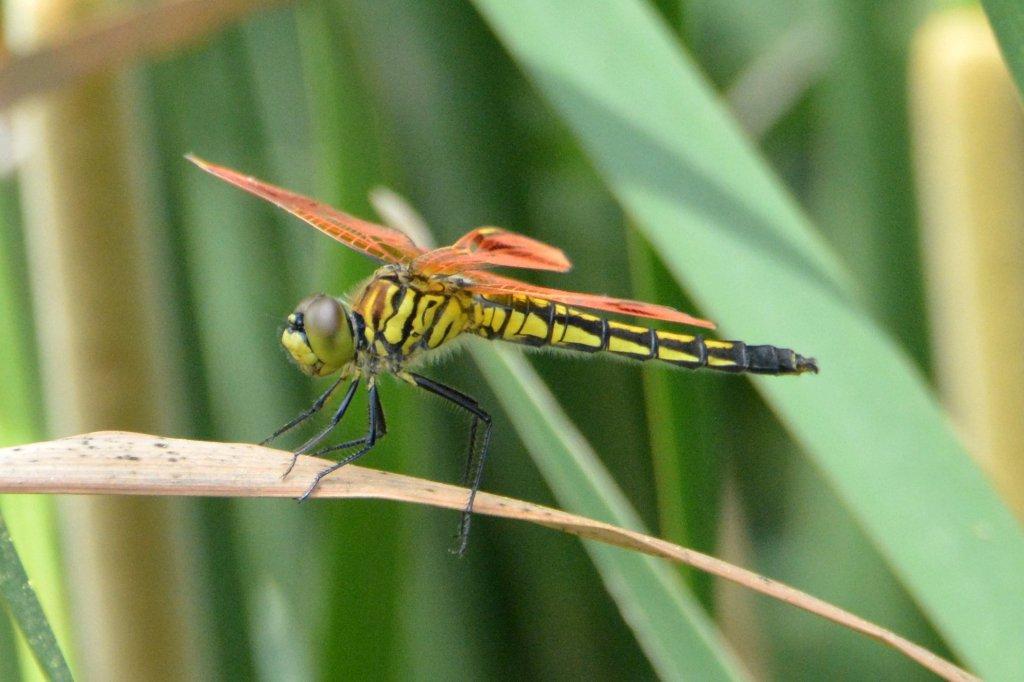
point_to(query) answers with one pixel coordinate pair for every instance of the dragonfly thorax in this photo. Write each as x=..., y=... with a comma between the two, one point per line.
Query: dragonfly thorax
x=319, y=335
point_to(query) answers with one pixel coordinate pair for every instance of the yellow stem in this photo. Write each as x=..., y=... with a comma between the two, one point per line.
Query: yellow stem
x=969, y=144
x=102, y=363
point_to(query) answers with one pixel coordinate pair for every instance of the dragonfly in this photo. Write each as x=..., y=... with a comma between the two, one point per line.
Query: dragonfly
x=420, y=301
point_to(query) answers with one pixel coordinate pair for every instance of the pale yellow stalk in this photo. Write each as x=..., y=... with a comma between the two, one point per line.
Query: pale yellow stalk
x=100, y=351
x=968, y=137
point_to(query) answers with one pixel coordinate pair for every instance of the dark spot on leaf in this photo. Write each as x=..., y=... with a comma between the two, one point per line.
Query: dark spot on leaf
x=160, y=445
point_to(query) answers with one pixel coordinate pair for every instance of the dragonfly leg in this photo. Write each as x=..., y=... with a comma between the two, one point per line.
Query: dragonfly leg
x=479, y=415
x=340, y=446
x=468, y=466
x=313, y=409
x=376, y=430
x=335, y=419
x=382, y=429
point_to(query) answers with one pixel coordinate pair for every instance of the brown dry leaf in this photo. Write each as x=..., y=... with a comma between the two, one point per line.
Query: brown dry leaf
x=134, y=464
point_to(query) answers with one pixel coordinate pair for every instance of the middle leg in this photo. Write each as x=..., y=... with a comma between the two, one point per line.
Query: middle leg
x=335, y=420
x=377, y=429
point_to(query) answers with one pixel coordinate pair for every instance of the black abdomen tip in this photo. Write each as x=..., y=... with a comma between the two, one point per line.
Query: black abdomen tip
x=806, y=365
x=775, y=360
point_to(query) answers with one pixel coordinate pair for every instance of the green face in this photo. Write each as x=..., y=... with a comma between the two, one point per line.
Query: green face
x=319, y=336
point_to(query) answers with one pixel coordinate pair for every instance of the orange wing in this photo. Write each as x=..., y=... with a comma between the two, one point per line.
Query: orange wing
x=377, y=241
x=492, y=247
x=489, y=283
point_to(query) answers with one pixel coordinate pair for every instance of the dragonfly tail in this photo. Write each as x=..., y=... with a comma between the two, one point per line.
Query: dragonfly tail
x=540, y=323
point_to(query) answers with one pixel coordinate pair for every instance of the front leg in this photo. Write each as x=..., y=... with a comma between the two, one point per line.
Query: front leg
x=382, y=429
x=313, y=409
x=335, y=420
x=377, y=429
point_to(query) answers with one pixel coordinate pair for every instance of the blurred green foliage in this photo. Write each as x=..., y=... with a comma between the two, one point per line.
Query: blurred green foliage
x=334, y=98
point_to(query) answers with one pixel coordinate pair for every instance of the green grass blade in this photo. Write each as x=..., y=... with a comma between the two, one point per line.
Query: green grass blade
x=346, y=162
x=445, y=112
x=673, y=631
x=682, y=418
x=737, y=241
x=21, y=601
x=861, y=185
x=31, y=519
x=8, y=650
x=1007, y=19
x=209, y=102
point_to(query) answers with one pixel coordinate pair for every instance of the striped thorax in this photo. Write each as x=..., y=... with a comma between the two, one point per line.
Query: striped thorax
x=403, y=316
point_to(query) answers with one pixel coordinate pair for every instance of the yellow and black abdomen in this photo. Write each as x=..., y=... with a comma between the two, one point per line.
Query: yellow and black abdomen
x=537, y=322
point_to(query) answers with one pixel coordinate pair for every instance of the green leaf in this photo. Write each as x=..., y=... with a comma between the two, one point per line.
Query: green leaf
x=346, y=158
x=21, y=601
x=682, y=415
x=30, y=518
x=1007, y=19
x=208, y=102
x=677, y=636
x=740, y=245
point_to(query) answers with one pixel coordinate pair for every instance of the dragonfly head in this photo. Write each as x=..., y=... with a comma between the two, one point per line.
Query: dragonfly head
x=319, y=335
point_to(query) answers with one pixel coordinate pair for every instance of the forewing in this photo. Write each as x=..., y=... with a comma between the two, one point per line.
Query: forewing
x=377, y=241
x=492, y=247
x=489, y=283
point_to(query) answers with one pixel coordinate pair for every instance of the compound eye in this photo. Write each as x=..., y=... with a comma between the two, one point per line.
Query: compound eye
x=323, y=317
